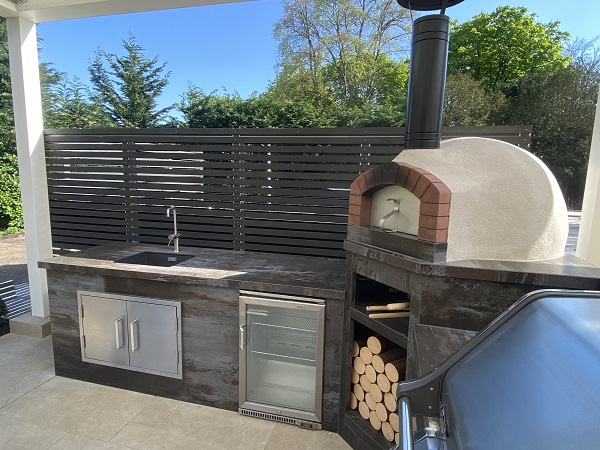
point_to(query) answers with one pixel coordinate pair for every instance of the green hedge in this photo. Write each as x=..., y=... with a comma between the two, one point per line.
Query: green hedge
x=11, y=211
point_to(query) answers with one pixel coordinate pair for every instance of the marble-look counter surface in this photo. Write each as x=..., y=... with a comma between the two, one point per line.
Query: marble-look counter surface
x=286, y=274
x=566, y=272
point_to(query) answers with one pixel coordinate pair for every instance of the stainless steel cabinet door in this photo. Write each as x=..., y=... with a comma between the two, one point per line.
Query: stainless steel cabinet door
x=104, y=323
x=153, y=339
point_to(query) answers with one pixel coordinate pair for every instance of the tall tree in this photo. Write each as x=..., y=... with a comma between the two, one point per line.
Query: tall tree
x=466, y=102
x=340, y=49
x=505, y=45
x=128, y=87
x=561, y=107
x=73, y=106
x=7, y=135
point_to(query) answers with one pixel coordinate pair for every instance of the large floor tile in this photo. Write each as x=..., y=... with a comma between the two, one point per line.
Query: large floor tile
x=68, y=415
x=290, y=437
x=26, y=363
x=95, y=398
x=215, y=428
x=16, y=434
x=76, y=442
x=145, y=437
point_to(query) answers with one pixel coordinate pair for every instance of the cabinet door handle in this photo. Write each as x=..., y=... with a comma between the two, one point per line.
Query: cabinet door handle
x=242, y=337
x=133, y=331
x=119, y=332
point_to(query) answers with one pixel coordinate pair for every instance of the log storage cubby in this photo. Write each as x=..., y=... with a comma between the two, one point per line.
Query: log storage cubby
x=378, y=323
x=377, y=366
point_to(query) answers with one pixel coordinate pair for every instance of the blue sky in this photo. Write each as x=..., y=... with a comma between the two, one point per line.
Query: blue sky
x=231, y=45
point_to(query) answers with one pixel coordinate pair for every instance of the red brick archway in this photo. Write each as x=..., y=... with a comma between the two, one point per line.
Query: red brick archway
x=434, y=195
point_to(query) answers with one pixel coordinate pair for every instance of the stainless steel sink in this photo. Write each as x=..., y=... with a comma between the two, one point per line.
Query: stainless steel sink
x=156, y=259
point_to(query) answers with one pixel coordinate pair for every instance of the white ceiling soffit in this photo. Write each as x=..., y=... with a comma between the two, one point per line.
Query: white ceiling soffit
x=49, y=10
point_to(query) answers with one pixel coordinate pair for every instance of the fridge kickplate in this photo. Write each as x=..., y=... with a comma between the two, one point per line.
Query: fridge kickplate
x=277, y=418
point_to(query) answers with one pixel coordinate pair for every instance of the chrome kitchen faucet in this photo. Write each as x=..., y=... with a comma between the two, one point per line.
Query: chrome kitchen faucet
x=175, y=236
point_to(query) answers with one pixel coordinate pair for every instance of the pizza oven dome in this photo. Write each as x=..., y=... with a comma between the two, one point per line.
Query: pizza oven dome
x=487, y=199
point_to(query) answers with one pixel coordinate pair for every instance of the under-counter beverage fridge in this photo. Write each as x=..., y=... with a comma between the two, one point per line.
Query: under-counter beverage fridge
x=281, y=357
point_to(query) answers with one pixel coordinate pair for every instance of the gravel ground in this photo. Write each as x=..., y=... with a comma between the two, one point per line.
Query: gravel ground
x=13, y=263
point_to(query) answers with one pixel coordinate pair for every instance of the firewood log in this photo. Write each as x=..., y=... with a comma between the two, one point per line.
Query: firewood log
x=356, y=345
x=365, y=383
x=370, y=402
x=353, y=401
x=389, y=307
x=359, y=392
x=375, y=422
x=388, y=431
x=378, y=344
x=354, y=376
x=365, y=355
x=397, y=438
x=376, y=393
x=379, y=361
x=371, y=373
x=396, y=370
x=389, y=315
x=383, y=382
x=359, y=365
x=390, y=403
x=381, y=412
x=394, y=421
x=364, y=410
x=395, y=389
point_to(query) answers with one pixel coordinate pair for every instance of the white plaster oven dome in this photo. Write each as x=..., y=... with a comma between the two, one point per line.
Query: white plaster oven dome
x=506, y=204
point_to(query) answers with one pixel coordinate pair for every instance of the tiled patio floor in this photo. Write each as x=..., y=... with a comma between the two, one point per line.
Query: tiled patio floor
x=39, y=410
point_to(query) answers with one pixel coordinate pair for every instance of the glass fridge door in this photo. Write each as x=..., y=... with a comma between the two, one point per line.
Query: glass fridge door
x=283, y=357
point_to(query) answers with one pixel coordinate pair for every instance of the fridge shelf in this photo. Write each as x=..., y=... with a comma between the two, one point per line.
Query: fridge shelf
x=288, y=350
x=302, y=330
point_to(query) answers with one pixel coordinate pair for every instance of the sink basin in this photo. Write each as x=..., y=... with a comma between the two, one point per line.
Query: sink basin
x=156, y=259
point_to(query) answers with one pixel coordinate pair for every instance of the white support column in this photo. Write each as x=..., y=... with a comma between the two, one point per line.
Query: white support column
x=29, y=127
x=588, y=242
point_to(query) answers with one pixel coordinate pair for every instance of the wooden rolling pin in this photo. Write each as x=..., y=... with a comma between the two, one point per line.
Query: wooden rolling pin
x=389, y=307
x=389, y=315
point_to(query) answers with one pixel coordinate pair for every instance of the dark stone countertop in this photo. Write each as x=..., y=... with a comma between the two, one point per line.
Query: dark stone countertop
x=567, y=272
x=266, y=272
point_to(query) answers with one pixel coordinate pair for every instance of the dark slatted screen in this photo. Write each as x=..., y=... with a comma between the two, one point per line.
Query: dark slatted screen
x=272, y=190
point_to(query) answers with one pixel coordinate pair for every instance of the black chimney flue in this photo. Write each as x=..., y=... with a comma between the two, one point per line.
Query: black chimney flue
x=427, y=81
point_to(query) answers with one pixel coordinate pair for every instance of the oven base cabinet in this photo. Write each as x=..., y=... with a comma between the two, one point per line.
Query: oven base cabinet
x=134, y=333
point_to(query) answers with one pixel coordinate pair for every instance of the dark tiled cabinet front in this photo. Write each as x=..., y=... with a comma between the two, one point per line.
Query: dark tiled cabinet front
x=210, y=337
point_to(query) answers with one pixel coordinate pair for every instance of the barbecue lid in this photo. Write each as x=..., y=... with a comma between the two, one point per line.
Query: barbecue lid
x=427, y=5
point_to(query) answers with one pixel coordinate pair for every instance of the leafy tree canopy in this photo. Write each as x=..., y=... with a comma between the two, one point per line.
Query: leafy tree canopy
x=503, y=46
x=466, y=102
x=561, y=106
x=128, y=86
x=73, y=106
x=340, y=50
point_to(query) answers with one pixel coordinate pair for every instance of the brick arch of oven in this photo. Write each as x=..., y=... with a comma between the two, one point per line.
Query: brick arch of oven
x=435, y=197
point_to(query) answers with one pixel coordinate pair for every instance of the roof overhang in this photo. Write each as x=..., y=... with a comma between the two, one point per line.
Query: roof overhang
x=49, y=10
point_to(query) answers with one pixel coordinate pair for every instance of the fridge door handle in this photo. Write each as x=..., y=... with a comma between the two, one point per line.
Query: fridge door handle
x=242, y=336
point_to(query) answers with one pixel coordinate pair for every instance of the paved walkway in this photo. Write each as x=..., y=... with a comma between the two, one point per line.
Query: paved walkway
x=39, y=410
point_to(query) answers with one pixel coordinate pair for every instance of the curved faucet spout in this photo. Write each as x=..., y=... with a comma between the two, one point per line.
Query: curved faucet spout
x=175, y=236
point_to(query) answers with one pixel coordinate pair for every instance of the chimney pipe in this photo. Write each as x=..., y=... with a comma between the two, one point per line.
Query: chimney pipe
x=427, y=81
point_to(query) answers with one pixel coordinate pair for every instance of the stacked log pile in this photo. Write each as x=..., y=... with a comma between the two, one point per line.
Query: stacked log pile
x=378, y=365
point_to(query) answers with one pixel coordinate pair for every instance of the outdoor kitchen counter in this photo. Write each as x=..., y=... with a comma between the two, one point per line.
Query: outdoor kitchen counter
x=207, y=287
x=267, y=272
